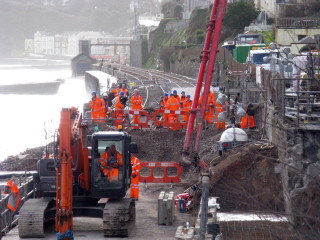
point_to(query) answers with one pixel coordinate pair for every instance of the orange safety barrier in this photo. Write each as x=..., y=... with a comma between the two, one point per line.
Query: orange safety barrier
x=165, y=122
x=140, y=113
x=162, y=178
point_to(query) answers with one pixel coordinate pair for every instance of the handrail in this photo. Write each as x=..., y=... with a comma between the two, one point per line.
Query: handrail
x=26, y=189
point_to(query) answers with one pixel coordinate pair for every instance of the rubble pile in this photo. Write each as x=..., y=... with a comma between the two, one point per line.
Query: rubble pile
x=247, y=180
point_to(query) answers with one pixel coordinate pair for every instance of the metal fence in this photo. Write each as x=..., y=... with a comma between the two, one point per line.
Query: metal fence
x=26, y=190
x=311, y=22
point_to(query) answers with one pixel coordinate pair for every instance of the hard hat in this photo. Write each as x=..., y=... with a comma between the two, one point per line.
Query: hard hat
x=188, y=96
x=119, y=127
x=171, y=94
x=136, y=90
x=182, y=92
x=165, y=94
x=105, y=94
x=175, y=91
x=122, y=93
x=93, y=92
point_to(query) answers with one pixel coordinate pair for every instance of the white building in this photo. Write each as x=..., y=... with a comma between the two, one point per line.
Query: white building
x=275, y=8
x=29, y=45
x=43, y=44
x=61, y=44
x=190, y=5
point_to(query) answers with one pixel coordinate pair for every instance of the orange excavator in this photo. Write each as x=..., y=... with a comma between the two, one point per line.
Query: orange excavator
x=71, y=183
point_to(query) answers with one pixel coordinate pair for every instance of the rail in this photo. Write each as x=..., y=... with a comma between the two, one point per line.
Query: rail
x=26, y=190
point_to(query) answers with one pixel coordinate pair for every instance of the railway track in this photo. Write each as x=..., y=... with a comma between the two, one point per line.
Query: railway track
x=150, y=83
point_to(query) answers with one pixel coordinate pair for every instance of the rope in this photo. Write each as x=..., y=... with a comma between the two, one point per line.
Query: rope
x=68, y=235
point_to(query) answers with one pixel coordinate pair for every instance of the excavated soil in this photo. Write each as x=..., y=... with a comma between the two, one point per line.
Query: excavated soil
x=244, y=179
x=247, y=180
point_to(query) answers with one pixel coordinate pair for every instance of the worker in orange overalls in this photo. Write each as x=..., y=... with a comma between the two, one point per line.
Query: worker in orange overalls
x=134, y=188
x=173, y=105
x=164, y=106
x=123, y=89
x=183, y=98
x=116, y=91
x=14, y=197
x=175, y=94
x=95, y=105
x=136, y=104
x=186, y=107
x=119, y=106
x=249, y=117
x=110, y=161
x=208, y=106
x=104, y=107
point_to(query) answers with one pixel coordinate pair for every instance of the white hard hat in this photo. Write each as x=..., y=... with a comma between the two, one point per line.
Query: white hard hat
x=105, y=94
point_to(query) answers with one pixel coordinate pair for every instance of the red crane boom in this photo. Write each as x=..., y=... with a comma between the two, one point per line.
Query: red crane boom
x=214, y=28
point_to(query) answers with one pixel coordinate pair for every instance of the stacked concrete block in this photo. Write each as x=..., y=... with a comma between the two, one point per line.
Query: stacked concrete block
x=166, y=208
x=184, y=233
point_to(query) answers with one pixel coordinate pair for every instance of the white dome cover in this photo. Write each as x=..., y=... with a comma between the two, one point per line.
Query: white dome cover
x=230, y=133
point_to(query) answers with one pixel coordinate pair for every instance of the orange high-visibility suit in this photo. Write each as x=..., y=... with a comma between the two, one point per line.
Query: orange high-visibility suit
x=107, y=162
x=220, y=125
x=183, y=99
x=104, y=109
x=178, y=98
x=95, y=105
x=208, y=106
x=244, y=120
x=164, y=105
x=186, y=107
x=134, y=188
x=125, y=91
x=174, y=105
x=14, y=198
x=118, y=106
x=136, y=104
x=116, y=91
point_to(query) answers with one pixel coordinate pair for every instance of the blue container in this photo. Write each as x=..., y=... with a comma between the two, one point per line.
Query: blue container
x=182, y=208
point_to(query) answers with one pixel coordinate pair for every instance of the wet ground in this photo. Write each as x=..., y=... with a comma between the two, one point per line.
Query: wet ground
x=145, y=227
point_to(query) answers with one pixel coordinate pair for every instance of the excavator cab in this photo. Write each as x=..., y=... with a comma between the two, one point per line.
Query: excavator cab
x=111, y=164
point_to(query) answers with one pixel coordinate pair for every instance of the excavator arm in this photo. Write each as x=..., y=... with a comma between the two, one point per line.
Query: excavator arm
x=73, y=156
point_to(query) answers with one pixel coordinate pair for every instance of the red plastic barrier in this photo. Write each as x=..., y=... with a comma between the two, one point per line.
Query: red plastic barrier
x=165, y=122
x=132, y=112
x=161, y=179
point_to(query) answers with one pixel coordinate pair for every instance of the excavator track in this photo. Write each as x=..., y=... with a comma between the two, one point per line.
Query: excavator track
x=32, y=218
x=118, y=216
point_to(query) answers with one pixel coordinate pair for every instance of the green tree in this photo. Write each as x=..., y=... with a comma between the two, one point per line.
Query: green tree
x=240, y=14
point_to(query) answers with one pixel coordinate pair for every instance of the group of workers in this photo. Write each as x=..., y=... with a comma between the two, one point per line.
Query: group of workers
x=110, y=162
x=214, y=107
x=100, y=107
x=175, y=102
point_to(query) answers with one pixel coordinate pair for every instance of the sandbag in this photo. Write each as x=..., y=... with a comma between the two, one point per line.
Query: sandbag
x=222, y=99
x=222, y=116
x=241, y=112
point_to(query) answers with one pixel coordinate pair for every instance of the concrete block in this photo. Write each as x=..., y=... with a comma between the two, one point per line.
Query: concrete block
x=184, y=234
x=166, y=208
